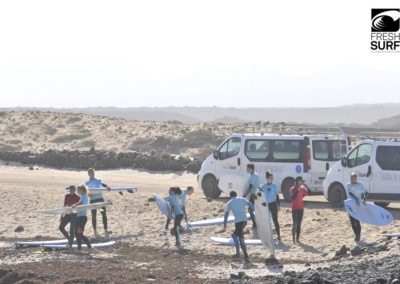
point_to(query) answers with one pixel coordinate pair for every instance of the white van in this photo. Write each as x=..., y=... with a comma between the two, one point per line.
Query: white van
x=377, y=164
x=286, y=156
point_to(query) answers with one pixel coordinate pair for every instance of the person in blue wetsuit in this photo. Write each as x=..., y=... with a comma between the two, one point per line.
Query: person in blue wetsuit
x=185, y=192
x=254, y=183
x=238, y=206
x=356, y=190
x=176, y=210
x=82, y=217
x=271, y=198
x=93, y=182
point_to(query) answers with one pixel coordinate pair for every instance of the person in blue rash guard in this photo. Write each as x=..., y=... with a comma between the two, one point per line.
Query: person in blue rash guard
x=185, y=192
x=176, y=210
x=93, y=182
x=238, y=206
x=82, y=217
x=271, y=198
x=356, y=190
x=254, y=183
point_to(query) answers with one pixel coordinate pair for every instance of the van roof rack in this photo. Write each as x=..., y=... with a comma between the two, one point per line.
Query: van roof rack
x=381, y=135
x=301, y=130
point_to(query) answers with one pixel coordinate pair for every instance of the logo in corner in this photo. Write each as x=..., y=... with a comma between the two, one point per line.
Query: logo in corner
x=385, y=20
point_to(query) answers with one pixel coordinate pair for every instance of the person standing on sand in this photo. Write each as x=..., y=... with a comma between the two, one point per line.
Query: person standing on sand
x=356, y=190
x=238, y=206
x=93, y=182
x=254, y=183
x=82, y=217
x=271, y=198
x=70, y=199
x=297, y=193
x=176, y=210
x=185, y=192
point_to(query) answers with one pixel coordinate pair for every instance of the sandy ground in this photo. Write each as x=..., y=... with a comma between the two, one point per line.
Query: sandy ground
x=137, y=226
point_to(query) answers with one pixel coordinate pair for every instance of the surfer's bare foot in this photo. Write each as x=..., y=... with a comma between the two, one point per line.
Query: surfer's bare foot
x=106, y=234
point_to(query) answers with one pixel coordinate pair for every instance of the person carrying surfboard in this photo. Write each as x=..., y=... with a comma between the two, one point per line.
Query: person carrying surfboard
x=356, y=190
x=185, y=192
x=176, y=210
x=82, y=217
x=254, y=183
x=93, y=182
x=70, y=199
x=271, y=198
x=297, y=193
x=238, y=206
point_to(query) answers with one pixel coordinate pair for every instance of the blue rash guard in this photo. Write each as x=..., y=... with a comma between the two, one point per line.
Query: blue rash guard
x=173, y=200
x=356, y=191
x=95, y=183
x=183, y=197
x=238, y=206
x=254, y=182
x=84, y=201
x=270, y=193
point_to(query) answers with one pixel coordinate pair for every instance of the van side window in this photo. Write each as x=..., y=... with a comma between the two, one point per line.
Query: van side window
x=321, y=150
x=360, y=156
x=388, y=157
x=230, y=148
x=339, y=149
x=286, y=151
x=257, y=150
x=329, y=150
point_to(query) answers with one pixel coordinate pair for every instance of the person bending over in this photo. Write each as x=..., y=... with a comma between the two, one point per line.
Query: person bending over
x=176, y=210
x=185, y=192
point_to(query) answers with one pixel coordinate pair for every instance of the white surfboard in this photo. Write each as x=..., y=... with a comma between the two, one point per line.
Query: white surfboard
x=112, y=189
x=71, y=210
x=163, y=205
x=368, y=213
x=40, y=243
x=392, y=235
x=228, y=183
x=264, y=226
x=229, y=242
x=211, y=222
x=97, y=246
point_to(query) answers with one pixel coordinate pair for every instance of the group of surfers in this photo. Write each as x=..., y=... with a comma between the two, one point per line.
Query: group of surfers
x=237, y=204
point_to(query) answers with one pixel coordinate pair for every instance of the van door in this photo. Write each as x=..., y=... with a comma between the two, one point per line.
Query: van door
x=359, y=161
x=386, y=174
x=229, y=160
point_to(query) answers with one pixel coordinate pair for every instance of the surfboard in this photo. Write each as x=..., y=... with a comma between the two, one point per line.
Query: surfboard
x=264, y=226
x=112, y=189
x=61, y=247
x=211, y=222
x=392, y=235
x=368, y=213
x=163, y=205
x=40, y=243
x=229, y=242
x=228, y=183
x=71, y=210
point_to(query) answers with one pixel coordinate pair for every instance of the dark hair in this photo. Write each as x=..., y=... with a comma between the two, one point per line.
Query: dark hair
x=232, y=194
x=177, y=190
x=90, y=170
x=299, y=178
x=250, y=166
x=268, y=174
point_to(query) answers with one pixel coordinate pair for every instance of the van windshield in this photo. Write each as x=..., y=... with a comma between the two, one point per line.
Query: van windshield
x=329, y=150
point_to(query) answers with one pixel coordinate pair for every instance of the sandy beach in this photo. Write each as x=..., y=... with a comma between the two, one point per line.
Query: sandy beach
x=136, y=222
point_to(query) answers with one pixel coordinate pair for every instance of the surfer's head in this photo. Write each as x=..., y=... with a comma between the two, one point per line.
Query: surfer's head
x=177, y=190
x=91, y=173
x=269, y=176
x=250, y=168
x=299, y=181
x=353, y=177
x=190, y=190
x=82, y=189
x=71, y=189
x=233, y=194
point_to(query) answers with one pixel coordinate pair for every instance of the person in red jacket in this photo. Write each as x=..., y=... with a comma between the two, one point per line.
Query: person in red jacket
x=70, y=199
x=297, y=193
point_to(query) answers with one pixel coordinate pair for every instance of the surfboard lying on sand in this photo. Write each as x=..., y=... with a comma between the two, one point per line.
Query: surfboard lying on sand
x=368, y=213
x=264, y=226
x=229, y=242
x=211, y=222
x=163, y=205
x=228, y=183
x=63, y=247
x=392, y=235
x=112, y=189
x=40, y=243
x=70, y=210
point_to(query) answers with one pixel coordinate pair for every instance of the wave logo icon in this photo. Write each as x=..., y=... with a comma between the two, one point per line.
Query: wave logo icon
x=385, y=20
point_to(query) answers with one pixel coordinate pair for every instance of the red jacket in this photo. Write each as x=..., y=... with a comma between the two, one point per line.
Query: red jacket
x=297, y=202
x=71, y=199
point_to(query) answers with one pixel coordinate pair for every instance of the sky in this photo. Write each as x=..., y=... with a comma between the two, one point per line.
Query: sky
x=192, y=53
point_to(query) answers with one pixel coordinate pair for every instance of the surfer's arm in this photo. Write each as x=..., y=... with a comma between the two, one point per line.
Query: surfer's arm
x=251, y=206
x=226, y=218
x=105, y=186
x=278, y=201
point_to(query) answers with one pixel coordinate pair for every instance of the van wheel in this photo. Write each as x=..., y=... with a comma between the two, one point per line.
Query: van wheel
x=382, y=204
x=285, y=188
x=336, y=195
x=210, y=188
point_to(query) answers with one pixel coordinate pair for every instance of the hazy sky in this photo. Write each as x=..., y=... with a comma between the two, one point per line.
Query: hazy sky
x=198, y=53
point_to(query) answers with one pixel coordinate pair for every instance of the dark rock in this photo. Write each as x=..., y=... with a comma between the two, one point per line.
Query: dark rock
x=239, y=276
x=31, y=168
x=357, y=251
x=151, y=199
x=342, y=252
x=19, y=229
x=151, y=276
